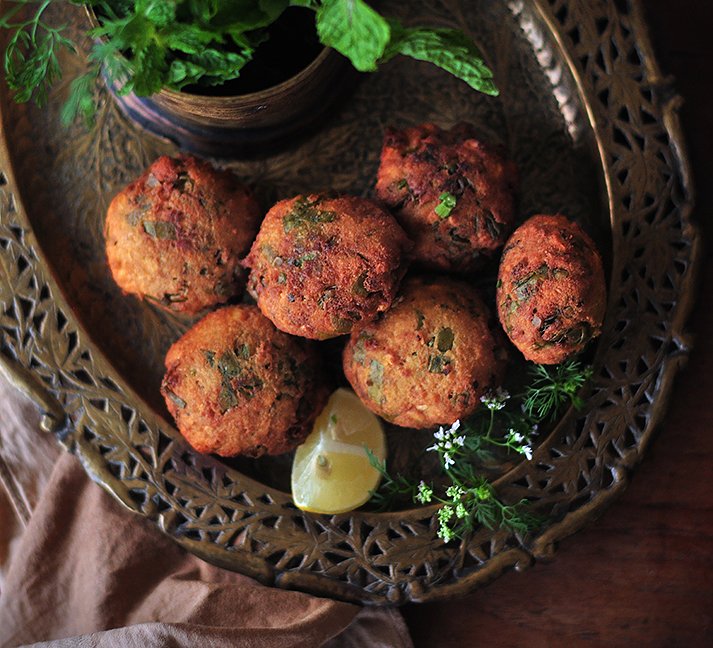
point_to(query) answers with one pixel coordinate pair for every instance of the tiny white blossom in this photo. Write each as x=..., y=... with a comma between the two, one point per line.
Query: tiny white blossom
x=527, y=451
x=495, y=400
x=446, y=442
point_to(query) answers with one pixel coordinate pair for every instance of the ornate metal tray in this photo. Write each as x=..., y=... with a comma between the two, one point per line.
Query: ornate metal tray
x=592, y=125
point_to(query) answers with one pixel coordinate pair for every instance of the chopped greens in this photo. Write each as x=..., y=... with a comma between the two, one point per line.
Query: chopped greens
x=446, y=205
x=161, y=230
x=305, y=213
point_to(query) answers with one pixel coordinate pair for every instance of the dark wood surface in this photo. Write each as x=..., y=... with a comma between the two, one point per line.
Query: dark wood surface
x=642, y=575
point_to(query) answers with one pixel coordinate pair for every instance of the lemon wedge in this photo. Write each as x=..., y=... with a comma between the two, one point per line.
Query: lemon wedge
x=331, y=472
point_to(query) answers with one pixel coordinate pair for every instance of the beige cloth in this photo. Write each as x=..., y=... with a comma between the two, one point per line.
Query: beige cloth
x=86, y=572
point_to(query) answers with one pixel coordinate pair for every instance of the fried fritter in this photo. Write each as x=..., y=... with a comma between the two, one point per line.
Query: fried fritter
x=551, y=291
x=452, y=193
x=429, y=359
x=175, y=236
x=236, y=385
x=323, y=266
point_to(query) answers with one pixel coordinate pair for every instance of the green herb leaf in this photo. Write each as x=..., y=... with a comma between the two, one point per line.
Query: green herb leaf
x=554, y=388
x=355, y=30
x=160, y=12
x=161, y=230
x=150, y=70
x=80, y=102
x=190, y=39
x=449, y=49
x=446, y=205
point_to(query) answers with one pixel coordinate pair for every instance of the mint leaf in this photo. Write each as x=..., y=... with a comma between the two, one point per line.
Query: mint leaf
x=160, y=12
x=446, y=206
x=189, y=39
x=355, y=30
x=247, y=15
x=204, y=10
x=448, y=49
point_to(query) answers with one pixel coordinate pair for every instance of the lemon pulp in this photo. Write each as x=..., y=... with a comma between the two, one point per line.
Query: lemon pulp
x=331, y=472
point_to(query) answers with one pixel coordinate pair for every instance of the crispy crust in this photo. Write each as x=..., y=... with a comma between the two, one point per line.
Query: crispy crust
x=175, y=235
x=551, y=291
x=236, y=385
x=321, y=267
x=429, y=359
x=421, y=164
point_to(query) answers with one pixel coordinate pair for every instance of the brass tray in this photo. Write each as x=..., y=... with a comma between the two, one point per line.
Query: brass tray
x=591, y=123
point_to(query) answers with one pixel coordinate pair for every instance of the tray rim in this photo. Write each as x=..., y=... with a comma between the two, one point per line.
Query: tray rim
x=56, y=419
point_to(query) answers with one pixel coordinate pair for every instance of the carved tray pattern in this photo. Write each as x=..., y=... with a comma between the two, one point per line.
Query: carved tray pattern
x=604, y=146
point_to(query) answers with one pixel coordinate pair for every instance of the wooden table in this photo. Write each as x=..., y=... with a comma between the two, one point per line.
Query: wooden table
x=642, y=575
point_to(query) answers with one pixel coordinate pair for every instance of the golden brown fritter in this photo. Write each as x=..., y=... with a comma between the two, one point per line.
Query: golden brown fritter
x=429, y=359
x=236, y=385
x=322, y=266
x=452, y=193
x=175, y=235
x=551, y=293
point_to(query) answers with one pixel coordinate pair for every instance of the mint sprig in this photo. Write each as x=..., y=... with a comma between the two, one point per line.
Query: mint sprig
x=146, y=45
x=367, y=39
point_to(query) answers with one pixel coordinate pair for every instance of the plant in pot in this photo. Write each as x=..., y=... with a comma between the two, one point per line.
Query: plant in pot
x=216, y=76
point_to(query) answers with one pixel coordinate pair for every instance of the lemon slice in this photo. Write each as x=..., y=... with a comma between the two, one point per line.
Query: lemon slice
x=331, y=472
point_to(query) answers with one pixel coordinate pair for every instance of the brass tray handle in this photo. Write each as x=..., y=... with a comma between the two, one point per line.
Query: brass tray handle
x=53, y=419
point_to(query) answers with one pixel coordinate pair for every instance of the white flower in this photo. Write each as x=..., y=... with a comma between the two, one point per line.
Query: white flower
x=516, y=436
x=495, y=400
x=446, y=441
x=527, y=451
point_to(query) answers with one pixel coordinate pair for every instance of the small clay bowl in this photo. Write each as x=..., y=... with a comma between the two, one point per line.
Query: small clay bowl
x=230, y=127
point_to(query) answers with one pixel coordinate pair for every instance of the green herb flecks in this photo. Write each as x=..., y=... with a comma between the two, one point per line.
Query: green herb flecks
x=237, y=378
x=446, y=205
x=299, y=261
x=444, y=339
x=177, y=400
x=358, y=288
x=359, y=350
x=326, y=295
x=305, y=213
x=160, y=230
x=439, y=363
x=376, y=381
